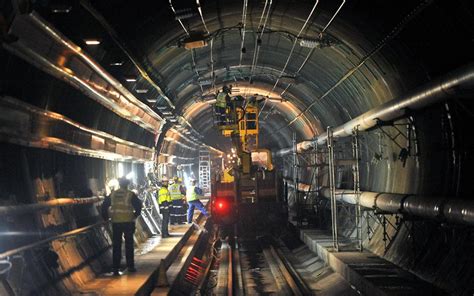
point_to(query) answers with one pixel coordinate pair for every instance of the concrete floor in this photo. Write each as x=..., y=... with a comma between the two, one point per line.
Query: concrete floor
x=147, y=260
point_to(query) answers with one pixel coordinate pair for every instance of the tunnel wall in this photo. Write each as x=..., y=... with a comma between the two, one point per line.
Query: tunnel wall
x=438, y=252
x=30, y=175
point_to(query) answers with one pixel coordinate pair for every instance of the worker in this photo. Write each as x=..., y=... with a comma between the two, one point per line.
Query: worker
x=125, y=208
x=151, y=178
x=192, y=197
x=177, y=213
x=222, y=102
x=252, y=101
x=164, y=202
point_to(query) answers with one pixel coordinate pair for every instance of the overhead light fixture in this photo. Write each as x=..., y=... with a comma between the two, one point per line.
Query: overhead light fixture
x=152, y=100
x=194, y=41
x=167, y=113
x=315, y=43
x=92, y=41
x=131, y=78
x=161, y=107
x=61, y=8
x=141, y=90
x=195, y=44
x=204, y=82
x=120, y=63
x=309, y=43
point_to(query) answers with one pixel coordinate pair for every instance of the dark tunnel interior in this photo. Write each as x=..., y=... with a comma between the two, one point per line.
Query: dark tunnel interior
x=94, y=90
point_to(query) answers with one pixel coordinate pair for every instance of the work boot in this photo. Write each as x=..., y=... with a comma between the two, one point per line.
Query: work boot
x=117, y=272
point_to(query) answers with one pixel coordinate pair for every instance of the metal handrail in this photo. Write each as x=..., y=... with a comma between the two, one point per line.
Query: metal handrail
x=50, y=239
x=44, y=205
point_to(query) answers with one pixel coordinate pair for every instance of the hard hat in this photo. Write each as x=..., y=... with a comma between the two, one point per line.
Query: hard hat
x=176, y=179
x=226, y=89
x=123, y=182
x=180, y=180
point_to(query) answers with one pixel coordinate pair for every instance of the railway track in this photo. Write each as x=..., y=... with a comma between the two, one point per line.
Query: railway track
x=256, y=267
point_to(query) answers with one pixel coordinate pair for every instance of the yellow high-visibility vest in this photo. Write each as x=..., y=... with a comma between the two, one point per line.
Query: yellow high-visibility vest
x=191, y=194
x=221, y=100
x=163, y=195
x=175, y=192
x=122, y=209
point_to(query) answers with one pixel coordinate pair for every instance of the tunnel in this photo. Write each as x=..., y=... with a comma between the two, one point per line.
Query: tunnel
x=364, y=110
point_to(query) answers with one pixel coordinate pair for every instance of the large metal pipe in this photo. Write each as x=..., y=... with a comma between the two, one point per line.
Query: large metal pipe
x=427, y=207
x=46, y=205
x=46, y=48
x=52, y=238
x=20, y=122
x=454, y=83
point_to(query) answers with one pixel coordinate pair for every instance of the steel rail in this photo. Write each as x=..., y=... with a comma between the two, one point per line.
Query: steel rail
x=225, y=272
x=283, y=280
x=205, y=277
x=298, y=285
x=50, y=239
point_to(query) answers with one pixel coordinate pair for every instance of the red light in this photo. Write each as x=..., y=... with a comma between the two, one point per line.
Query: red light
x=220, y=205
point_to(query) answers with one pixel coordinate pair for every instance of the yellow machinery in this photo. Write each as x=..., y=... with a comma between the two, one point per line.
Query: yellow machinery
x=243, y=123
x=228, y=176
x=242, y=127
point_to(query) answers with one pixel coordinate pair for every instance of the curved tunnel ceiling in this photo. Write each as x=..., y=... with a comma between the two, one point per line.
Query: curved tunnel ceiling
x=374, y=52
x=371, y=85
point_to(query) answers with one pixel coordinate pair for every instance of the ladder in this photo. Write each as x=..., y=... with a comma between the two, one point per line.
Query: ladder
x=205, y=171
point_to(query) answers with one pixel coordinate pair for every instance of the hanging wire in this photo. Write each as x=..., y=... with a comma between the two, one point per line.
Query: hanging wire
x=392, y=34
x=308, y=56
x=244, y=23
x=291, y=53
x=258, y=39
x=310, y=53
x=294, y=45
x=179, y=20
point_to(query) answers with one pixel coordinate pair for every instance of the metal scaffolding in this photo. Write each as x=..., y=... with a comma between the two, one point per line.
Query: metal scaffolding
x=332, y=187
x=205, y=171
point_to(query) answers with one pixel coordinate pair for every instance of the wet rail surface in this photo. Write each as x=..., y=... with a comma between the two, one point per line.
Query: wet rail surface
x=255, y=267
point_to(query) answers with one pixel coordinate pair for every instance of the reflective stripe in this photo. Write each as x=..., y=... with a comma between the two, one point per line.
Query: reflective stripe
x=221, y=100
x=163, y=195
x=175, y=192
x=121, y=208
